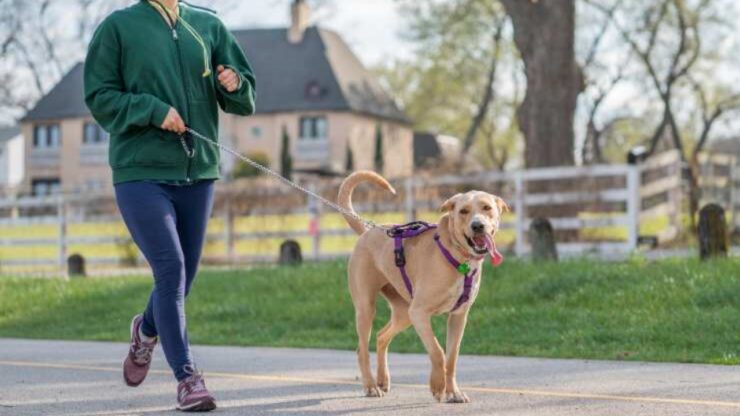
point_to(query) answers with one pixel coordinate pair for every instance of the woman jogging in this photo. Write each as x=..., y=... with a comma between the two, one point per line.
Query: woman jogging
x=153, y=70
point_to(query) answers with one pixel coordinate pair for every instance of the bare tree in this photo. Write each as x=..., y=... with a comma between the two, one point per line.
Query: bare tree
x=596, y=91
x=681, y=59
x=667, y=38
x=712, y=110
x=489, y=93
x=40, y=40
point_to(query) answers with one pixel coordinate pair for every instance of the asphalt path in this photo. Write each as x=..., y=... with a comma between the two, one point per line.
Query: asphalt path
x=84, y=378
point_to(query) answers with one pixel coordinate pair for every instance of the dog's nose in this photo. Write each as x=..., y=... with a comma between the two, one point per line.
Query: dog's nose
x=477, y=227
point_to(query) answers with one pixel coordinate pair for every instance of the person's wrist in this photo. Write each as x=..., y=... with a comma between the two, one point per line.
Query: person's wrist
x=159, y=115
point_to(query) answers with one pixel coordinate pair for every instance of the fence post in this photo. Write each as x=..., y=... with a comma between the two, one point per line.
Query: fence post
x=410, y=188
x=62, y=243
x=520, y=211
x=633, y=206
x=314, y=223
x=675, y=196
x=229, y=229
x=733, y=206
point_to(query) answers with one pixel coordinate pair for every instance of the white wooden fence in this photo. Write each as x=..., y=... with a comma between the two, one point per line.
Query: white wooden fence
x=616, y=197
x=719, y=182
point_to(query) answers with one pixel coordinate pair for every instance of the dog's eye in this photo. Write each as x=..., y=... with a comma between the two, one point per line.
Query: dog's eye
x=487, y=208
x=464, y=211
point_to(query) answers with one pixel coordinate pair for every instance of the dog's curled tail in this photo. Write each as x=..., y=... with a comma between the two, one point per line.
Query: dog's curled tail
x=348, y=186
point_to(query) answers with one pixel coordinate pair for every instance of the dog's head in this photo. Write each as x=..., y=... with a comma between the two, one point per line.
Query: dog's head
x=474, y=219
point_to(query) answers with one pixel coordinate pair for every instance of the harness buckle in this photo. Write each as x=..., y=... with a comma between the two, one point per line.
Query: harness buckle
x=400, y=257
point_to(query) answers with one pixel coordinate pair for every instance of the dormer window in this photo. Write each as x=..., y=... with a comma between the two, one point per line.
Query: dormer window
x=314, y=91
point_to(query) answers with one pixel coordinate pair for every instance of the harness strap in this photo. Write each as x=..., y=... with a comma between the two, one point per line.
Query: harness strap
x=414, y=229
x=401, y=264
x=399, y=233
x=469, y=276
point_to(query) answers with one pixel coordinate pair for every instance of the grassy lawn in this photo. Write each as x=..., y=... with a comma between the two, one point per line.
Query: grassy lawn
x=667, y=311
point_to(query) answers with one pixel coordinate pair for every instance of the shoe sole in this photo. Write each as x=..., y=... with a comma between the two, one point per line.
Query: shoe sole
x=202, y=406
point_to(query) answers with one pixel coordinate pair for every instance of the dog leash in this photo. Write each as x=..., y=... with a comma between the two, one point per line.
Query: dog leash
x=264, y=169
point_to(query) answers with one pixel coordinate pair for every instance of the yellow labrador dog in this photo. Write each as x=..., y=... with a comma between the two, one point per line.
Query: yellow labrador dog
x=465, y=232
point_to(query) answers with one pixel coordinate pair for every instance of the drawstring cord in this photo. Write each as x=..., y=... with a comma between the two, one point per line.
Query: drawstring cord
x=172, y=17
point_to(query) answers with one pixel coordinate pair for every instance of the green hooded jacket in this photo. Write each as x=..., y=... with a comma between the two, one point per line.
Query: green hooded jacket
x=137, y=67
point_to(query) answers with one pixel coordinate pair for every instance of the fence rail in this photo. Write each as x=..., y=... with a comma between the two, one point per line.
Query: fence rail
x=596, y=210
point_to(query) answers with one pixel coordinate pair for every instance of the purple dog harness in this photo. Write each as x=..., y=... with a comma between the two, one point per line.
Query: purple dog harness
x=415, y=229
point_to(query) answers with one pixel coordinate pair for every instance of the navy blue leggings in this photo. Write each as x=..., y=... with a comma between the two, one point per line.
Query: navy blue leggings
x=168, y=223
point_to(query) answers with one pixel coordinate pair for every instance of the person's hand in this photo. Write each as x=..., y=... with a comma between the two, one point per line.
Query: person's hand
x=173, y=122
x=228, y=78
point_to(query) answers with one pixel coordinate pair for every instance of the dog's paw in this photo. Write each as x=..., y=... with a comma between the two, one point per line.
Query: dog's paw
x=438, y=389
x=374, y=391
x=457, y=397
x=384, y=386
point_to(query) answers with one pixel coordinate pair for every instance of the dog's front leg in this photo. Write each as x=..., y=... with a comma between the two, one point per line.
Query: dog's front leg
x=455, y=328
x=422, y=321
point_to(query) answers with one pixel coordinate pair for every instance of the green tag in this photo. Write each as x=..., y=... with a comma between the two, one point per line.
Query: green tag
x=463, y=268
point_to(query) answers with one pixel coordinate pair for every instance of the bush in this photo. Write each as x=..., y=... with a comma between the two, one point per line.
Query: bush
x=245, y=170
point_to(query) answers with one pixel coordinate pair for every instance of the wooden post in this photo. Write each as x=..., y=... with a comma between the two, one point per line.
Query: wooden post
x=62, y=238
x=290, y=253
x=733, y=194
x=633, y=206
x=76, y=266
x=542, y=239
x=713, y=239
x=409, y=189
x=675, y=197
x=521, y=213
x=229, y=229
x=314, y=224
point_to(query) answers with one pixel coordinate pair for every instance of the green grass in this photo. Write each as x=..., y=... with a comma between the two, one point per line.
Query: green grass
x=680, y=310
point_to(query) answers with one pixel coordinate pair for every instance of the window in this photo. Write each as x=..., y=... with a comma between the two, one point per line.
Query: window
x=46, y=136
x=94, y=134
x=313, y=128
x=256, y=132
x=45, y=187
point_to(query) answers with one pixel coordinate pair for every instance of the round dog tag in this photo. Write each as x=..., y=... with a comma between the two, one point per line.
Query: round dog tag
x=463, y=268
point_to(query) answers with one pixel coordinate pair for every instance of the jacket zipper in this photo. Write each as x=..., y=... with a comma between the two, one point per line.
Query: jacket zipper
x=187, y=101
x=176, y=38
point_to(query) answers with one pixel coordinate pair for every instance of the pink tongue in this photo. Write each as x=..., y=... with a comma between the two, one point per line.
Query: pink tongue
x=496, y=257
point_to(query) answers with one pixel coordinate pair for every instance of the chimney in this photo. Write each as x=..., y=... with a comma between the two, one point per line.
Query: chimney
x=300, y=14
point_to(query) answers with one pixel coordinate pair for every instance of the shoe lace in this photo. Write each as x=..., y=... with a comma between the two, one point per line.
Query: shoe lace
x=142, y=352
x=194, y=383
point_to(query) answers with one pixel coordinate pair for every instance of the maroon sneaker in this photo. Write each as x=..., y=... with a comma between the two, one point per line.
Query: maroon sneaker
x=192, y=395
x=139, y=358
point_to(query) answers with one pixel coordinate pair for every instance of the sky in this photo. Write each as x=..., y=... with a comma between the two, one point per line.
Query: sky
x=372, y=28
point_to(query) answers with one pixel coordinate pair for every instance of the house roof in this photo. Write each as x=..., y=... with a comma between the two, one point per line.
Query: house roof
x=8, y=132
x=320, y=73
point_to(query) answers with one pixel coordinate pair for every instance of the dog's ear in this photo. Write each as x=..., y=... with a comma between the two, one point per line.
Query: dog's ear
x=503, y=207
x=449, y=205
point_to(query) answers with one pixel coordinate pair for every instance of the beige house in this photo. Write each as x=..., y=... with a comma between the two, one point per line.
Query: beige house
x=309, y=85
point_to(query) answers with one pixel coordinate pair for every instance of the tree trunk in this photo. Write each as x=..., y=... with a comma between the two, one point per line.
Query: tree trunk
x=544, y=32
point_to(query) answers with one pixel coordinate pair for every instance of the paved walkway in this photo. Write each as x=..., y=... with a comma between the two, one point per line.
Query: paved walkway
x=84, y=378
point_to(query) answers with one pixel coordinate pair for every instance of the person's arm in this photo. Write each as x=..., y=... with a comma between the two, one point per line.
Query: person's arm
x=115, y=109
x=235, y=81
